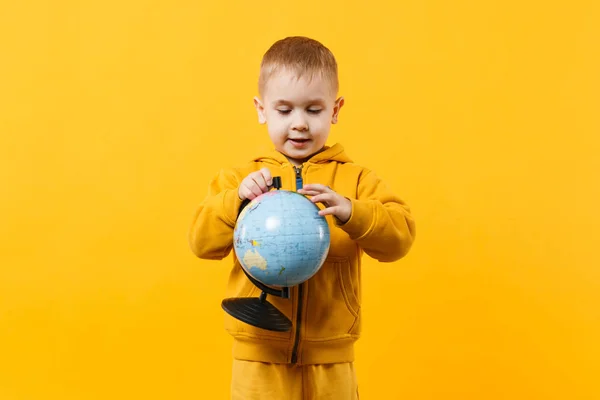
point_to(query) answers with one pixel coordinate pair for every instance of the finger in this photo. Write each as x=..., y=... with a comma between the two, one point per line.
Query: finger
x=254, y=188
x=327, y=198
x=317, y=187
x=266, y=173
x=252, y=191
x=245, y=193
x=308, y=192
x=260, y=182
x=329, y=211
x=257, y=190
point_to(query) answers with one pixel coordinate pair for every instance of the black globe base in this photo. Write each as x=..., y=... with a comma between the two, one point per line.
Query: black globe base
x=258, y=312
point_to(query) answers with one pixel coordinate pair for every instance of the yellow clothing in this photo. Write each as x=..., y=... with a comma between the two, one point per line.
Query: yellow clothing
x=261, y=381
x=325, y=310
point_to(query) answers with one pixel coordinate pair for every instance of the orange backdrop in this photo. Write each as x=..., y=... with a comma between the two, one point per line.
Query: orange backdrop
x=483, y=115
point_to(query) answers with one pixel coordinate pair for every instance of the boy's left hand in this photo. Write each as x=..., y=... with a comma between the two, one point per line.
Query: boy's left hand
x=336, y=204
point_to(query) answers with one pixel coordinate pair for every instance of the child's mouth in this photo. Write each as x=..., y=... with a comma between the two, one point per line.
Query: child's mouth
x=299, y=142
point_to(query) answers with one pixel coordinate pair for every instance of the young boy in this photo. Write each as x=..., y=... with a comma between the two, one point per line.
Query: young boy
x=298, y=101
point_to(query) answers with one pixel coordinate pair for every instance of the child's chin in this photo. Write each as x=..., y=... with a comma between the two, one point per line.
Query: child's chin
x=297, y=156
x=300, y=155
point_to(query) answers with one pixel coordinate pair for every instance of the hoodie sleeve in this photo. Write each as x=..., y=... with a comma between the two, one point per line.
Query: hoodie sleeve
x=381, y=223
x=211, y=234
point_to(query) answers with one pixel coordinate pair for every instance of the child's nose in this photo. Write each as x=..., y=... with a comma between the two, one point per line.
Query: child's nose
x=299, y=124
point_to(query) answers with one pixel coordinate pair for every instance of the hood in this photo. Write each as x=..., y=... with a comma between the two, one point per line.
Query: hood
x=333, y=153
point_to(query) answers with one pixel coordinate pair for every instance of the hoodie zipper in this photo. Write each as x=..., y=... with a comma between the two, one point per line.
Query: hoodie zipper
x=299, y=184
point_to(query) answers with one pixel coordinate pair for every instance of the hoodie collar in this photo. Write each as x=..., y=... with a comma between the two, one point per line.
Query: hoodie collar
x=333, y=153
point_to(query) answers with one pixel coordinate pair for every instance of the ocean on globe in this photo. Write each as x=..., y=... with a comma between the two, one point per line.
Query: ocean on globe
x=280, y=239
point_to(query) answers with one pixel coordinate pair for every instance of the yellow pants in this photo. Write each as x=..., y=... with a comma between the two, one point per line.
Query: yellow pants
x=262, y=381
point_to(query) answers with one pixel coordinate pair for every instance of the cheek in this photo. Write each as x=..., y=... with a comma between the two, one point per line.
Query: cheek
x=275, y=127
x=321, y=124
x=273, y=119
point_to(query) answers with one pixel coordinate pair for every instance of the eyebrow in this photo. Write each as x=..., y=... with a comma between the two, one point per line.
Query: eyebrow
x=280, y=102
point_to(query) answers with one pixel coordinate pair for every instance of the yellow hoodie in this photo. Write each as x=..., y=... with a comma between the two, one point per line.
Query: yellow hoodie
x=325, y=310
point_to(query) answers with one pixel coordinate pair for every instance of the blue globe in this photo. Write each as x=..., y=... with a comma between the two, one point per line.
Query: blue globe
x=280, y=239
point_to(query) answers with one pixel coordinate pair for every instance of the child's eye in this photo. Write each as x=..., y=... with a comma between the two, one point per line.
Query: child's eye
x=314, y=111
x=285, y=111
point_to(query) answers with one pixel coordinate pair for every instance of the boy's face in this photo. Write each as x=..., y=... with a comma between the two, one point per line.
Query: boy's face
x=298, y=114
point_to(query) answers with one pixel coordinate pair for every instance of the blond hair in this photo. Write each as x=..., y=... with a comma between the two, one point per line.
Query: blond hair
x=302, y=56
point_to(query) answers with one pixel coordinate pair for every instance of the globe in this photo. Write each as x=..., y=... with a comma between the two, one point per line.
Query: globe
x=280, y=239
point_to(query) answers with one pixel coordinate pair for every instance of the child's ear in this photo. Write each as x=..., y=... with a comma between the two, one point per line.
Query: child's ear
x=336, y=110
x=260, y=110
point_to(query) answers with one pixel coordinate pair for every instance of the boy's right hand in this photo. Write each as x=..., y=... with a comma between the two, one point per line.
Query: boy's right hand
x=255, y=184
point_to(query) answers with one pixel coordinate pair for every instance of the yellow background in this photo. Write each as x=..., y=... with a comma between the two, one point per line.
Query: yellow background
x=483, y=115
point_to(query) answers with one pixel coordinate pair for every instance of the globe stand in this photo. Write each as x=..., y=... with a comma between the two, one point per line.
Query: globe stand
x=259, y=312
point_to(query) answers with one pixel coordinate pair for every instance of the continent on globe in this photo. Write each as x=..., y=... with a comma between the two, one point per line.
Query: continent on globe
x=253, y=259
